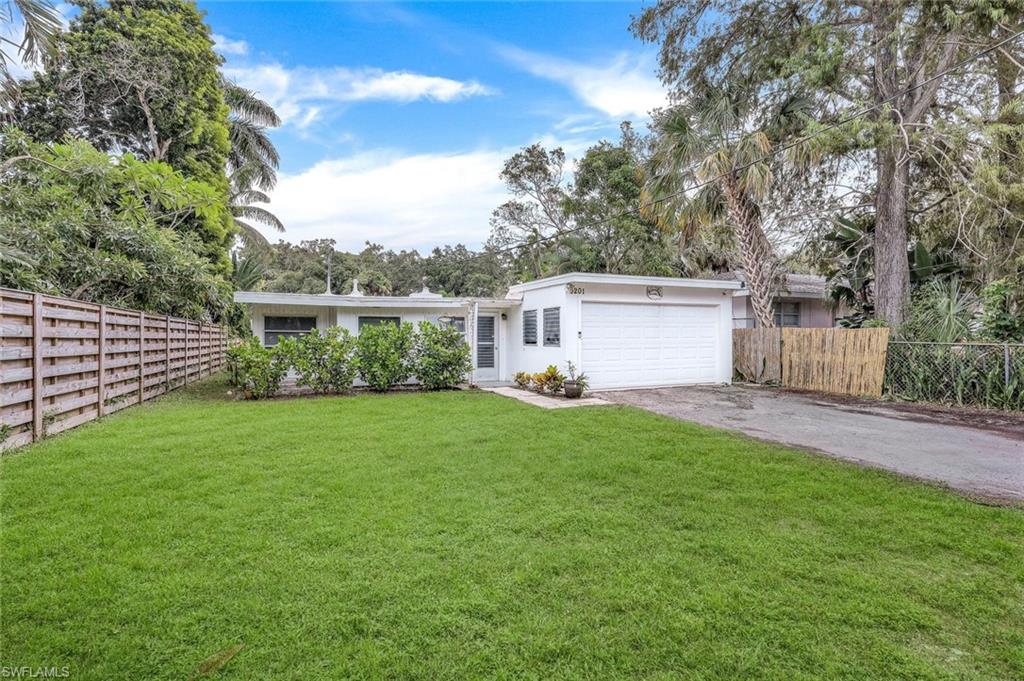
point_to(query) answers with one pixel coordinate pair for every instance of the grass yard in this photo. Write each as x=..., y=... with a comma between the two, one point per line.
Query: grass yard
x=461, y=535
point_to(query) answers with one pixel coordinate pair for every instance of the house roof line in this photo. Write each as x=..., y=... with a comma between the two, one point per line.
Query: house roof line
x=511, y=298
x=596, y=278
x=332, y=300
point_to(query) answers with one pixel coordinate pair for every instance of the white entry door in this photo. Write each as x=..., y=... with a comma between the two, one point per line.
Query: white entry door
x=626, y=345
x=486, y=347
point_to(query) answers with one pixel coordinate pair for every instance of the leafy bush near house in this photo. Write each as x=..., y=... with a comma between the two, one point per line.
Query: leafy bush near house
x=326, y=362
x=441, y=356
x=256, y=370
x=1002, y=316
x=549, y=381
x=523, y=379
x=385, y=355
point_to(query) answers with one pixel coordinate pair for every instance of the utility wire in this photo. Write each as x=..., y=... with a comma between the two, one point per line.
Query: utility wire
x=782, y=148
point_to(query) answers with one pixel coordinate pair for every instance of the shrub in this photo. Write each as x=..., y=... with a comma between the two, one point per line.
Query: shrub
x=1002, y=318
x=385, y=355
x=441, y=356
x=523, y=379
x=549, y=380
x=258, y=371
x=326, y=362
x=941, y=311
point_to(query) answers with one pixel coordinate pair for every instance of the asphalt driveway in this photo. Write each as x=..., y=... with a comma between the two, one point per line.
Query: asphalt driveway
x=978, y=456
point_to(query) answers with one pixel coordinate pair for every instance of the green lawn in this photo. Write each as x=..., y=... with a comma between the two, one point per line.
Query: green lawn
x=459, y=535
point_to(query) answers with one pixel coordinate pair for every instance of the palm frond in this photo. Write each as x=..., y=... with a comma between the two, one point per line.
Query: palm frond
x=248, y=196
x=248, y=273
x=42, y=24
x=258, y=214
x=251, y=237
x=252, y=149
x=247, y=106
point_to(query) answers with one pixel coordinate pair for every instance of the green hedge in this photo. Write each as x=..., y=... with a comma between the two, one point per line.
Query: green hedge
x=382, y=356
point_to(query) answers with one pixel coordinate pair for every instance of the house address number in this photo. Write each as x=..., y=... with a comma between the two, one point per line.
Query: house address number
x=575, y=290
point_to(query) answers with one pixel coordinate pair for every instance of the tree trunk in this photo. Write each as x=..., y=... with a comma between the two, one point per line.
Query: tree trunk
x=755, y=251
x=892, y=270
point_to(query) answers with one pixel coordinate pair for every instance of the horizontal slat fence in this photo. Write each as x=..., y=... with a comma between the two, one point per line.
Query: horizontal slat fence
x=64, y=362
x=842, y=361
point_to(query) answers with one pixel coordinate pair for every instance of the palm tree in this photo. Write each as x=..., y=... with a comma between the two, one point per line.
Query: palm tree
x=40, y=26
x=248, y=272
x=248, y=120
x=242, y=200
x=252, y=161
x=709, y=167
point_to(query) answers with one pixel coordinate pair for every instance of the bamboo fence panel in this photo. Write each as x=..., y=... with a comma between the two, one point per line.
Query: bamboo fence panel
x=842, y=361
x=757, y=355
x=64, y=362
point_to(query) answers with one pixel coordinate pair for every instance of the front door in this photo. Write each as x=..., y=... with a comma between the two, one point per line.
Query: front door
x=486, y=348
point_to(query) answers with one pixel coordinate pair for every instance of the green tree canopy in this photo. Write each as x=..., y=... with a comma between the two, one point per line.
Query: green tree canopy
x=77, y=222
x=136, y=76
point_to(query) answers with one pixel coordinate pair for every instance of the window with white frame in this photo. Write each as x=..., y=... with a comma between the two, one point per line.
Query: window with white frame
x=552, y=326
x=276, y=328
x=529, y=327
x=377, y=321
x=787, y=314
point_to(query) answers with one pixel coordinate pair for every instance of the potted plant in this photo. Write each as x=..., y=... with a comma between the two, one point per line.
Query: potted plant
x=575, y=384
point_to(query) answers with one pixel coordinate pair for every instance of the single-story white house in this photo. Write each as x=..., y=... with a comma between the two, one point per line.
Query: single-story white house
x=622, y=331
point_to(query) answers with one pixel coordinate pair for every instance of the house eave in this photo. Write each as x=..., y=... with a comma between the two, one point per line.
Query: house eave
x=330, y=300
x=624, y=279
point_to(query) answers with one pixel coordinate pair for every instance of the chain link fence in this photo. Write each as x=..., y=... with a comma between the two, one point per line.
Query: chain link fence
x=977, y=374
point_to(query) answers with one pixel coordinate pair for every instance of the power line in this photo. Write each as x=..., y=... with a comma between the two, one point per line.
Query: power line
x=785, y=147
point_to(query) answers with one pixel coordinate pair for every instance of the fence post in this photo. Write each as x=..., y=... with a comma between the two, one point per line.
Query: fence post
x=184, y=376
x=1006, y=365
x=37, y=366
x=167, y=353
x=782, y=361
x=101, y=363
x=142, y=357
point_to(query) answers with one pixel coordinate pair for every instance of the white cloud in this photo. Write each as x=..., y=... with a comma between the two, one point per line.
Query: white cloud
x=226, y=45
x=625, y=87
x=402, y=201
x=300, y=94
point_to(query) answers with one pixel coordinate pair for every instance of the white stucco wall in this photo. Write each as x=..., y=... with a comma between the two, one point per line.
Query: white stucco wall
x=537, y=358
x=534, y=359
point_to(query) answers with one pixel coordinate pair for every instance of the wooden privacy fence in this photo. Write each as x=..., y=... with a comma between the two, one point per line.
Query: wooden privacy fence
x=64, y=362
x=844, y=361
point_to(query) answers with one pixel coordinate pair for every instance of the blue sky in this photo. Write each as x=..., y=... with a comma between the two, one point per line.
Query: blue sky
x=398, y=116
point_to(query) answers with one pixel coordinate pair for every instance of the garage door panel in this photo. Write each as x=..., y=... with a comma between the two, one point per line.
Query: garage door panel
x=628, y=345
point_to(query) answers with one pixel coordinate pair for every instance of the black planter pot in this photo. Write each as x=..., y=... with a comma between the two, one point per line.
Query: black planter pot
x=572, y=389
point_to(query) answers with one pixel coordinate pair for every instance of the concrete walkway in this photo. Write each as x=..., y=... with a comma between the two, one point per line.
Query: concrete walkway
x=979, y=460
x=543, y=401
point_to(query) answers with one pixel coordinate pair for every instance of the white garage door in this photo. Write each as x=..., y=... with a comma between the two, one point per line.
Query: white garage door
x=636, y=345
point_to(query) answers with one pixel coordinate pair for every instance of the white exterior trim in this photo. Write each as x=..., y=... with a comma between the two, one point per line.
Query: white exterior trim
x=325, y=300
x=591, y=278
